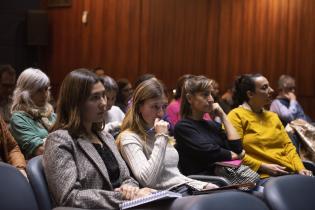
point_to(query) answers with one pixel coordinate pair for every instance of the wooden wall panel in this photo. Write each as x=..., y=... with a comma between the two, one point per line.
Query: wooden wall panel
x=218, y=38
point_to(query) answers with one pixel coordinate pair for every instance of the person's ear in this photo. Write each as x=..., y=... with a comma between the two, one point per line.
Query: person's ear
x=249, y=94
x=189, y=97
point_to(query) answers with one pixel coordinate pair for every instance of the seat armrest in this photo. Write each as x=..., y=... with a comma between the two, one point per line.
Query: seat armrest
x=218, y=180
x=309, y=165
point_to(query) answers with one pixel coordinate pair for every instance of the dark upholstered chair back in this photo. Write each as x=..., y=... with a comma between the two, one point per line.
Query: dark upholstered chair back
x=227, y=200
x=15, y=191
x=290, y=192
x=37, y=179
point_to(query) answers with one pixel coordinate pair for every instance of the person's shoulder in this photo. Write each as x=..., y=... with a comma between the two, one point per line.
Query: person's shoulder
x=116, y=109
x=174, y=104
x=128, y=136
x=238, y=110
x=60, y=135
x=20, y=118
x=116, y=113
x=183, y=122
x=20, y=114
x=271, y=114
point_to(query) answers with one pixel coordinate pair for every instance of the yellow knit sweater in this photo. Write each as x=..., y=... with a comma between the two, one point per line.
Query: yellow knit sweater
x=265, y=140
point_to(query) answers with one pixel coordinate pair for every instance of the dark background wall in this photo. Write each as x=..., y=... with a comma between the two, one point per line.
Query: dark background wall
x=217, y=38
x=15, y=35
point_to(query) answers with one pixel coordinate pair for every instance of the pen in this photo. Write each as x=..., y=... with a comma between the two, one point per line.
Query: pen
x=152, y=129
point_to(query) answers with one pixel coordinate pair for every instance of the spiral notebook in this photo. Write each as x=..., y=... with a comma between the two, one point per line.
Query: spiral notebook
x=160, y=195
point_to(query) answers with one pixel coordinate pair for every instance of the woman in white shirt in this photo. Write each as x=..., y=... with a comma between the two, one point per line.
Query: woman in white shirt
x=145, y=144
x=113, y=115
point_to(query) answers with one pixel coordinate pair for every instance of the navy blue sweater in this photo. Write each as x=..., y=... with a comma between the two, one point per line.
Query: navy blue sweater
x=200, y=144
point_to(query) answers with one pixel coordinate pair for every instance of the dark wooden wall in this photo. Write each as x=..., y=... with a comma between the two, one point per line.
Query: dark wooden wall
x=217, y=38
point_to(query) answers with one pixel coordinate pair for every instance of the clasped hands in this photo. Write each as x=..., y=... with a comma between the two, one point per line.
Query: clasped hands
x=277, y=170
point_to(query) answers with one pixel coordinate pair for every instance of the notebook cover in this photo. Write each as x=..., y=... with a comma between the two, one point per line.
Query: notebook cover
x=231, y=163
x=160, y=195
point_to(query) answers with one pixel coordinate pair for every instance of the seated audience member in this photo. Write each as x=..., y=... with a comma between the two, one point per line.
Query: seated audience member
x=286, y=105
x=269, y=150
x=226, y=101
x=7, y=83
x=201, y=143
x=81, y=162
x=173, y=108
x=9, y=149
x=143, y=78
x=145, y=144
x=99, y=71
x=124, y=94
x=32, y=115
x=113, y=115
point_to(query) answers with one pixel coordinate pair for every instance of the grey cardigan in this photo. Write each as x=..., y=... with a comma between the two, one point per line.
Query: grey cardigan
x=77, y=175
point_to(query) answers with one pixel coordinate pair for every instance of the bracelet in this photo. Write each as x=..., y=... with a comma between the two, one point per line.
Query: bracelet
x=241, y=155
x=170, y=139
x=162, y=134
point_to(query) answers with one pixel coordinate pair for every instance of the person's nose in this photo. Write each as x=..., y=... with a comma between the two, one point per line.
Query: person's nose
x=46, y=94
x=271, y=90
x=103, y=102
x=160, y=112
x=210, y=99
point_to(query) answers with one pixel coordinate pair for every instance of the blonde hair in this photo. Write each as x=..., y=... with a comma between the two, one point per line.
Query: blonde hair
x=133, y=120
x=29, y=81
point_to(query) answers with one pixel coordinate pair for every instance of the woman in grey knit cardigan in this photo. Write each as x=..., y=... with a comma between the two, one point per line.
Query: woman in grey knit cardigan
x=145, y=144
x=82, y=164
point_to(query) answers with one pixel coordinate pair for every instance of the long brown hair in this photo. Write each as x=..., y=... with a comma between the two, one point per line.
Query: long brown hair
x=75, y=90
x=133, y=121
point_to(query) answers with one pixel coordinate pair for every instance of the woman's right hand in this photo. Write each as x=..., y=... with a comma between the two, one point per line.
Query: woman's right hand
x=234, y=156
x=210, y=186
x=161, y=126
x=144, y=192
x=217, y=110
x=128, y=192
x=273, y=169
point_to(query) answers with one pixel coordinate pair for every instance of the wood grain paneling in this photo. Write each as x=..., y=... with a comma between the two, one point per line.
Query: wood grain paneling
x=218, y=38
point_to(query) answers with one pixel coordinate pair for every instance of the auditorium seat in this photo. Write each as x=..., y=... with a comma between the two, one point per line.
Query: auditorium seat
x=15, y=191
x=37, y=179
x=227, y=200
x=292, y=192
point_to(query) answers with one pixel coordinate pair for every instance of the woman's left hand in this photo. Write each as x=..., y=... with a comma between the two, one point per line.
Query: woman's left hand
x=305, y=172
x=210, y=186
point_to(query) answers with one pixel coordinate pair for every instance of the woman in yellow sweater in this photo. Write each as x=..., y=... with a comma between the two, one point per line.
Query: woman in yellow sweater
x=269, y=150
